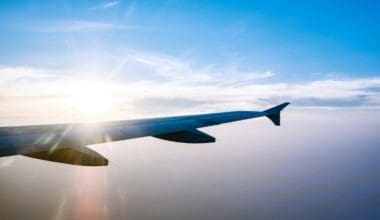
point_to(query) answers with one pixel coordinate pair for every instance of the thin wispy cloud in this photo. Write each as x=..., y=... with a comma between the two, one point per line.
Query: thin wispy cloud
x=182, y=71
x=106, y=5
x=75, y=26
x=131, y=8
x=69, y=26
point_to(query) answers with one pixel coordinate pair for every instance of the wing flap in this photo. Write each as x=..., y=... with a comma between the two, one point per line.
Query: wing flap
x=187, y=136
x=77, y=156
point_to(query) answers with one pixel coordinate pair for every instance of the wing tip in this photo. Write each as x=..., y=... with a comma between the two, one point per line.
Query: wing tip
x=274, y=113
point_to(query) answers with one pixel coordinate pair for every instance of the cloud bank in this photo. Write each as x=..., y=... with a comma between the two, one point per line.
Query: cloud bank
x=144, y=83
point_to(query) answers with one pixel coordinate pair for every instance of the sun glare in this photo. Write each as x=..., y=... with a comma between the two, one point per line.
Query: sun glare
x=91, y=99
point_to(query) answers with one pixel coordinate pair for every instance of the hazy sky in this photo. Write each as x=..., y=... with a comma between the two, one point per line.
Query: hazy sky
x=317, y=165
x=72, y=60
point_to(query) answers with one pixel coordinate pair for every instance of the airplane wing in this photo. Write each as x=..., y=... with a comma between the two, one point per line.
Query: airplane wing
x=66, y=143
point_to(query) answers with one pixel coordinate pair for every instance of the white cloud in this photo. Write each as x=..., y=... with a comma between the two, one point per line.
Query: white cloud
x=148, y=83
x=230, y=85
x=106, y=5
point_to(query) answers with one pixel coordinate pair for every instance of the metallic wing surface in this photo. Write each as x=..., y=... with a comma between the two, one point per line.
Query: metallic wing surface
x=66, y=143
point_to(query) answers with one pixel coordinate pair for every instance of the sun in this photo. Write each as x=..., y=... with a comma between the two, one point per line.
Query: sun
x=91, y=99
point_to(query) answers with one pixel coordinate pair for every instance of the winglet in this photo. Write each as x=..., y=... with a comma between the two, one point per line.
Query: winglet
x=274, y=113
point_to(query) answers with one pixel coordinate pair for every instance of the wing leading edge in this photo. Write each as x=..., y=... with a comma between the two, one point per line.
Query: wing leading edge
x=66, y=143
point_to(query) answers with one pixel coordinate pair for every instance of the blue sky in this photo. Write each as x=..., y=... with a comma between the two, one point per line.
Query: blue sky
x=315, y=54
x=99, y=60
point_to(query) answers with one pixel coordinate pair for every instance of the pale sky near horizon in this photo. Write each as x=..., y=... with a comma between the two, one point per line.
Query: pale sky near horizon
x=312, y=167
x=68, y=61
